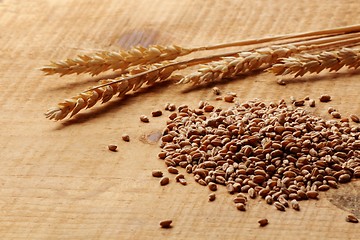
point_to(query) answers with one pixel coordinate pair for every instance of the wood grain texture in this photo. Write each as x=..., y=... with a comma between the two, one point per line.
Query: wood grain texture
x=58, y=180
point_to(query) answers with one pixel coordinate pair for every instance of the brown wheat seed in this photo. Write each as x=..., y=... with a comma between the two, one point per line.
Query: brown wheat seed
x=315, y=63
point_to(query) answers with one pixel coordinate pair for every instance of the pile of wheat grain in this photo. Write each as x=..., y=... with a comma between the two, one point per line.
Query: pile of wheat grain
x=277, y=152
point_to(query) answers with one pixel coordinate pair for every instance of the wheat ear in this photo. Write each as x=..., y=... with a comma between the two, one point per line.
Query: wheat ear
x=315, y=63
x=229, y=67
x=132, y=81
x=105, y=60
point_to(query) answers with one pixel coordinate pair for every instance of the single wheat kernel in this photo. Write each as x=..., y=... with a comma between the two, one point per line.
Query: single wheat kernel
x=183, y=181
x=295, y=205
x=331, y=109
x=325, y=98
x=351, y=218
x=164, y=181
x=212, y=186
x=166, y=223
x=167, y=106
x=171, y=107
x=306, y=98
x=208, y=108
x=172, y=170
x=144, y=118
x=216, y=90
x=269, y=200
x=125, y=137
x=112, y=147
x=336, y=114
x=299, y=103
x=263, y=222
x=279, y=206
x=311, y=102
x=281, y=82
x=156, y=113
x=312, y=194
x=218, y=98
x=283, y=201
x=252, y=193
x=355, y=118
x=229, y=98
x=240, y=206
x=179, y=176
x=292, y=99
x=157, y=173
x=212, y=197
x=239, y=200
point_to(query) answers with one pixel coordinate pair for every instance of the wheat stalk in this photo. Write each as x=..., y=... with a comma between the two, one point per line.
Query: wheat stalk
x=315, y=63
x=106, y=60
x=132, y=81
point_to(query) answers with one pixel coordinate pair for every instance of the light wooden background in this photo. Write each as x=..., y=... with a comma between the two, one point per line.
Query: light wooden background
x=58, y=180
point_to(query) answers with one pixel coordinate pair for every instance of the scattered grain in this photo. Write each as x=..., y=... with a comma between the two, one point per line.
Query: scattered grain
x=295, y=204
x=336, y=114
x=311, y=102
x=144, y=118
x=229, y=98
x=172, y=107
x=125, y=137
x=172, y=170
x=112, y=147
x=240, y=206
x=355, y=118
x=325, y=98
x=279, y=206
x=216, y=90
x=299, y=103
x=212, y=197
x=157, y=173
x=351, y=218
x=164, y=181
x=156, y=113
x=166, y=223
x=263, y=222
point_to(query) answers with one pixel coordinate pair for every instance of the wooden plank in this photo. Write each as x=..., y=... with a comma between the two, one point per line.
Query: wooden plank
x=59, y=181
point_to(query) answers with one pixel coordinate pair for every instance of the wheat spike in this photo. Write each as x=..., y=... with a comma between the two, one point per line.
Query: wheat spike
x=105, y=60
x=229, y=67
x=315, y=63
x=132, y=81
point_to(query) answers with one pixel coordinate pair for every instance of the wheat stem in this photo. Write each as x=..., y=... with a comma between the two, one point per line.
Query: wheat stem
x=315, y=63
x=106, y=60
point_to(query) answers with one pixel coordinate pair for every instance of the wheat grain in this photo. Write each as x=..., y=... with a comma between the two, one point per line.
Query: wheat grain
x=135, y=80
x=315, y=63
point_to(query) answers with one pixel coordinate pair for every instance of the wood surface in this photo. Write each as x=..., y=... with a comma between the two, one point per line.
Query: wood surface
x=59, y=181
